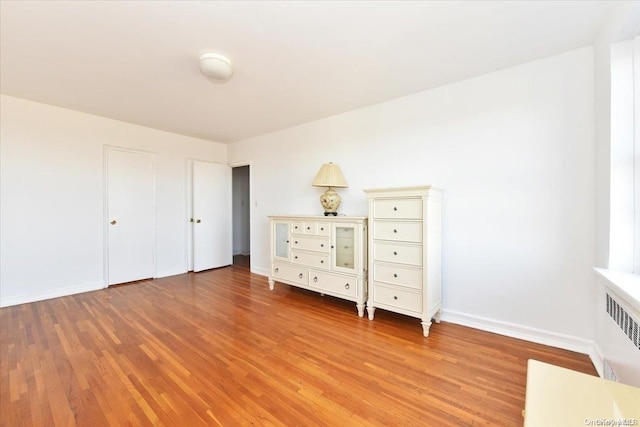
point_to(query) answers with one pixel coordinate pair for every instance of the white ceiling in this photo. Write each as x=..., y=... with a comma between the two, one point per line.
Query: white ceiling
x=294, y=62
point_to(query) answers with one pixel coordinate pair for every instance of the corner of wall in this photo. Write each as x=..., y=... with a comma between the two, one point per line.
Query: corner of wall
x=597, y=358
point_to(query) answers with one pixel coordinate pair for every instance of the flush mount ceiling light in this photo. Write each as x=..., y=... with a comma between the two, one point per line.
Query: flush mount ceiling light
x=215, y=67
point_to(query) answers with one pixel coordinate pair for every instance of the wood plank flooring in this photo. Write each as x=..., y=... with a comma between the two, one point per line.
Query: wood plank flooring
x=219, y=349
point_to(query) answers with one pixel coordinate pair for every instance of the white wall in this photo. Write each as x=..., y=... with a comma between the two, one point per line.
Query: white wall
x=514, y=151
x=52, y=197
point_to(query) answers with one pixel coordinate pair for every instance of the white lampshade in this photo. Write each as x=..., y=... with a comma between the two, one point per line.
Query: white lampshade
x=329, y=175
x=215, y=67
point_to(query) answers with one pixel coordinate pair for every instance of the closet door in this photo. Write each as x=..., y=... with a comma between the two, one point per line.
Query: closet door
x=130, y=215
x=212, y=227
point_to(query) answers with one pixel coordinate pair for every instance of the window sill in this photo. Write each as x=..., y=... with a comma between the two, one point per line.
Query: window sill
x=626, y=285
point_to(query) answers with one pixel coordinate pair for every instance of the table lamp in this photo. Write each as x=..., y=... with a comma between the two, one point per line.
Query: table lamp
x=330, y=176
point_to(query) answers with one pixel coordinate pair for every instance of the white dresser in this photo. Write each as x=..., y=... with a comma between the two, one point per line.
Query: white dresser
x=322, y=254
x=405, y=252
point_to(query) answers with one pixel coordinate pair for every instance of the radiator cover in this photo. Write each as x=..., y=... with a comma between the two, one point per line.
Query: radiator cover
x=628, y=324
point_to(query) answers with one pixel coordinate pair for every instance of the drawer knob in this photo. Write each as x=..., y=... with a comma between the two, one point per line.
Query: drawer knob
x=395, y=274
x=395, y=208
x=295, y=242
x=315, y=279
x=300, y=275
x=331, y=246
x=321, y=261
x=322, y=245
x=346, y=286
x=276, y=270
x=395, y=231
x=395, y=253
x=296, y=227
x=395, y=297
x=308, y=228
x=321, y=228
x=296, y=257
x=287, y=241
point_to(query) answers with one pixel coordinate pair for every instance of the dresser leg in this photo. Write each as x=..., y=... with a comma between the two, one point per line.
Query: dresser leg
x=370, y=310
x=426, y=325
x=360, y=307
x=437, y=316
x=271, y=284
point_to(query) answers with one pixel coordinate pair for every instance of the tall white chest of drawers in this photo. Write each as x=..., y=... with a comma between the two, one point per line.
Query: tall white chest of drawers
x=323, y=254
x=405, y=272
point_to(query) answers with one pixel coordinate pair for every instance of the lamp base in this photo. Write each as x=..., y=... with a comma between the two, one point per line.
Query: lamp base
x=330, y=201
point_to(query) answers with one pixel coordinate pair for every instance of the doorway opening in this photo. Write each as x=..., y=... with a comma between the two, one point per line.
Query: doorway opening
x=241, y=213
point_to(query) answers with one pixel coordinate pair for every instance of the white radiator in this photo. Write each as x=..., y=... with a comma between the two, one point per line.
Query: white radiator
x=628, y=324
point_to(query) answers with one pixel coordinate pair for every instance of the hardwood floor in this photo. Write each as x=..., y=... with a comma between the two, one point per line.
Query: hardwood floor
x=219, y=348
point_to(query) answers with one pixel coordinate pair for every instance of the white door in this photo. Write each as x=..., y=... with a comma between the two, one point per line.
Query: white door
x=130, y=216
x=212, y=228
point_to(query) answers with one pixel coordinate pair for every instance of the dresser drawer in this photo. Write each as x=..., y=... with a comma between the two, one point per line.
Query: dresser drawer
x=310, y=227
x=398, y=231
x=393, y=252
x=316, y=260
x=408, y=277
x=397, y=208
x=323, y=229
x=342, y=285
x=307, y=243
x=290, y=273
x=297, y=227
x=400, y=298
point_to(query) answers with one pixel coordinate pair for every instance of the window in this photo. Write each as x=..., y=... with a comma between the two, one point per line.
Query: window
x=624, y=253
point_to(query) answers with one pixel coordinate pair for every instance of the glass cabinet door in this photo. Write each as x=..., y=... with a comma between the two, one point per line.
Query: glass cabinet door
x=281, y=240
x=345, y=255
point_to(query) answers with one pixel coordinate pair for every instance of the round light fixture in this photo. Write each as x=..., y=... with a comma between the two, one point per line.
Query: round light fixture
x=215, y=67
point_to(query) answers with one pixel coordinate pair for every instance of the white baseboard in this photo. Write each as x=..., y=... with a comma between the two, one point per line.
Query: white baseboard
x=167, y=273
x=540, y=336
x=50, y=293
